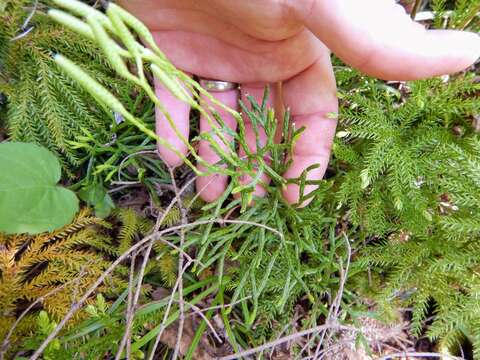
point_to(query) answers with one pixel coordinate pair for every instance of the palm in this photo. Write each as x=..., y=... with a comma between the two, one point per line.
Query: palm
x=248, y=60
x=231, y=43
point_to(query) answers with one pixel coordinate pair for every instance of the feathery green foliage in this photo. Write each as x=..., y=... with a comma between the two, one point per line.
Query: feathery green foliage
x=408, y=159
x=395, y=153
x=43, y=105
x=409, y=155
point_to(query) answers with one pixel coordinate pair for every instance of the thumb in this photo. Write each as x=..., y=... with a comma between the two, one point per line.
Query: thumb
x=379, y=38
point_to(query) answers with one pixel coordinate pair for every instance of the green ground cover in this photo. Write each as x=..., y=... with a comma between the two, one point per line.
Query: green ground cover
x=386, y=257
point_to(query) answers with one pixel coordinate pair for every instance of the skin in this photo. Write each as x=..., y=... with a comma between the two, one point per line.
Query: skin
x=263, y=42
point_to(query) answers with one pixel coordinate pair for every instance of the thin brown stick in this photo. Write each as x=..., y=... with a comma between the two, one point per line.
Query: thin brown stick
x=133, y=304
x=334, y=347
x=177, y=198
x=181, y=306
x=126, y=339
x=146, y=258
x=30, y=15
x=199, y=191
x=126, y=183
x=25, y=30
x=288, y=338
x=131, y=308
x=135, y=300
x=172, y=203
x=76, y=281
x=335, y=308
x=165, y=317
x=419, y=355
x=200, y=312
x=285, y=329
x=143, y=152
x=122, y=187
x=226, y=305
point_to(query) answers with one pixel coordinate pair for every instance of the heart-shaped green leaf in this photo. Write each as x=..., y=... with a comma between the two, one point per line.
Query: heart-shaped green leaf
x=30, y=200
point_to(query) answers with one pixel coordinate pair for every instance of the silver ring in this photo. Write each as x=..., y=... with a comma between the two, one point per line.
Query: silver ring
x=217, y=85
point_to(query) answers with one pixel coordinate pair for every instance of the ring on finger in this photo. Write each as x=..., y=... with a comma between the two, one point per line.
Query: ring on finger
x=217, y=85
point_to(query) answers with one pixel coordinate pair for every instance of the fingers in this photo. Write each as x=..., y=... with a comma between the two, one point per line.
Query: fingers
x=180, y=115
x=380, y=39
x=210, y=188
x=311, y=97
x=256, y=91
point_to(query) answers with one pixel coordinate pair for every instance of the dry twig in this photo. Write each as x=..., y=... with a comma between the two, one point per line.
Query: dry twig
x=419, y=355
x=146, y=258
x=126, y=340
x=180, y=269
x=288, y=338
x=335, y=307
x=165, y=316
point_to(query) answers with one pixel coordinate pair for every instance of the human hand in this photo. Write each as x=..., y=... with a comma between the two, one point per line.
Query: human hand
x=261, y=42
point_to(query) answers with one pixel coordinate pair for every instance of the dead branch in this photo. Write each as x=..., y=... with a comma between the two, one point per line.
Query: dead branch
x=180, y=269
x=419, y=355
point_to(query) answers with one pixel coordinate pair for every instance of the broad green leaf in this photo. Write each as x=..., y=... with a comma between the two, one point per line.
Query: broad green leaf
x=30, y=200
